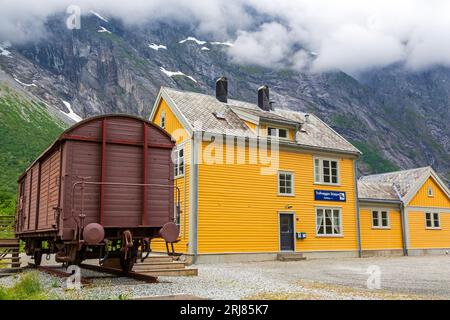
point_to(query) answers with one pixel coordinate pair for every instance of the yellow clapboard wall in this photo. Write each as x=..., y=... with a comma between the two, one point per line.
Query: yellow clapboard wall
x=378, y=238
x=175, y=128
x=439, y=198
x=422, y=238
x=239, y=207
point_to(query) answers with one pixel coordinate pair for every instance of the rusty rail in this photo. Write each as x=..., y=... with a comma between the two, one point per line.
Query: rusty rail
x=118, y=272
x=58, y=273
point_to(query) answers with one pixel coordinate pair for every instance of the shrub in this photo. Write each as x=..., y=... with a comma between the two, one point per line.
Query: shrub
x=28, y=288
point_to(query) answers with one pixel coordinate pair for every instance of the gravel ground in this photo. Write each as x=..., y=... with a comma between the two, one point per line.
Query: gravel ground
x=400, y=278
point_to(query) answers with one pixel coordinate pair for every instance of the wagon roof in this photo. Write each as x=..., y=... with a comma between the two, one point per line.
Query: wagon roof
x=63, y=135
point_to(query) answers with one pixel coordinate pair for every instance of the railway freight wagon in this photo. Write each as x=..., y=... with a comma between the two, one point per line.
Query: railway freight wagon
x=102, y=190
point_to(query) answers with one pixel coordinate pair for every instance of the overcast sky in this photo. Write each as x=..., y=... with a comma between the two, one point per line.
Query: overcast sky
x=316, y=35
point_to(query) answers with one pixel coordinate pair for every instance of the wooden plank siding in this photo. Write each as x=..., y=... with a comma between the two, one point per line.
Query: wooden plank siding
x=439, y=198
x=380, y=238
x=422, y=238
x=174, y=127
x=238, y=207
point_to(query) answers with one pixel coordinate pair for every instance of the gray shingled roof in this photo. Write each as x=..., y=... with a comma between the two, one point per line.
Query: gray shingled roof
x=386, y=185
x=197, y=107
x=377, y=191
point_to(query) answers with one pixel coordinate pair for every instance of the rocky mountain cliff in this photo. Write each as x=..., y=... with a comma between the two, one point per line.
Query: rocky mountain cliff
x=399, y=119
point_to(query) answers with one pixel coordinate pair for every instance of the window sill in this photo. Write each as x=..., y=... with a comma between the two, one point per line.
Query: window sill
x=329, y=235
x=178, y=177
x=327, y=184
x=286, y=195
x=381, y=228
x=429, y=228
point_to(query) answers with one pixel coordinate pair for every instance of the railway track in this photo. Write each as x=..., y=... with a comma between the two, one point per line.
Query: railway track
x=134, y=275
x=55, y=270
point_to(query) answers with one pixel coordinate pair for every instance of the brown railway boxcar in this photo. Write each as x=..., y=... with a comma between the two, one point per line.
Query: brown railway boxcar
x=103, y=189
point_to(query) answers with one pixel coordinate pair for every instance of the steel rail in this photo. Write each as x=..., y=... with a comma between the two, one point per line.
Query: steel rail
x=58, y=273
x=132, y=274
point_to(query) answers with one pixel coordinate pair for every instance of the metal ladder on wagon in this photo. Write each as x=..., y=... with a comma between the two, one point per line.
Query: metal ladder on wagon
x=9, y=246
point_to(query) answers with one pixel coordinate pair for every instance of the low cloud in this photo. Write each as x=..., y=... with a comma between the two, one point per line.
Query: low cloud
x=314, y=35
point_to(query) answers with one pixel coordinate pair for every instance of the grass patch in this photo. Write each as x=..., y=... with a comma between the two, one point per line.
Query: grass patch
x=26, y=129
x=27, y=288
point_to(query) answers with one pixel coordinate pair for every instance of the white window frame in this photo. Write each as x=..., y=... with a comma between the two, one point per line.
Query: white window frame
x=319, y=179
x=430, y=192
x=332, y=235
x=176, y=166
x=163, y=120
x=433, y=225
x=277, y=130
x=292, y=184
x=379, y=212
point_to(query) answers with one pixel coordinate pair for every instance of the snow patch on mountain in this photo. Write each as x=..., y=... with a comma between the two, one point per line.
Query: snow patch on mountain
x=205, y=49
x=103, y=29
x=200, y=42
x=176, y=73
x=156, y=47
x=72, y=115
x=25, y=84
x=229, y=44
x=99, y=16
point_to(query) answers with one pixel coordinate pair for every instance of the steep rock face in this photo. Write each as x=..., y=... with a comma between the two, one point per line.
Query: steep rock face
x=398, y=119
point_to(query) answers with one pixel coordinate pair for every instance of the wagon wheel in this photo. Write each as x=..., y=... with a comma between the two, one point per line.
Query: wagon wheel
x=128, y=252
x=37, y=258
x=127, y=260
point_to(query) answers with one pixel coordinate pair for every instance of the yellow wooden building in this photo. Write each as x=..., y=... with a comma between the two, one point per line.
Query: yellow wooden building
x=256, y=181
x=404, y=212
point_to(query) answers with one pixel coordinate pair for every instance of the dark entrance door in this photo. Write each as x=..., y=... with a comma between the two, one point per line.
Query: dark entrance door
x=286, y=232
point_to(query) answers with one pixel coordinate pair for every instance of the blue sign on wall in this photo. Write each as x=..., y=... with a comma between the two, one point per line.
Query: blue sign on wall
x=326, y=195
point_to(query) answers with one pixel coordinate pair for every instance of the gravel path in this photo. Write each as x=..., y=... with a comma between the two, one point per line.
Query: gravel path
x=400, y=278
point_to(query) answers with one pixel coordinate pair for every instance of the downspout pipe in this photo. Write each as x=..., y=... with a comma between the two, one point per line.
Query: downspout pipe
x=403, y=221
x=193, y=212
x=358, y=223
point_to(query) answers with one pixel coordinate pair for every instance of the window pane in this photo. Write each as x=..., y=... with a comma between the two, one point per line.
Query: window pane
x=328, y=222
x=316, y=170
x=436, y=220
x=375, y=222
x=429, y=223
x=282, y=133
x=384, y=219
x=320, y=222
x=336, y=223
x=326, y=171
x=272, y=132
